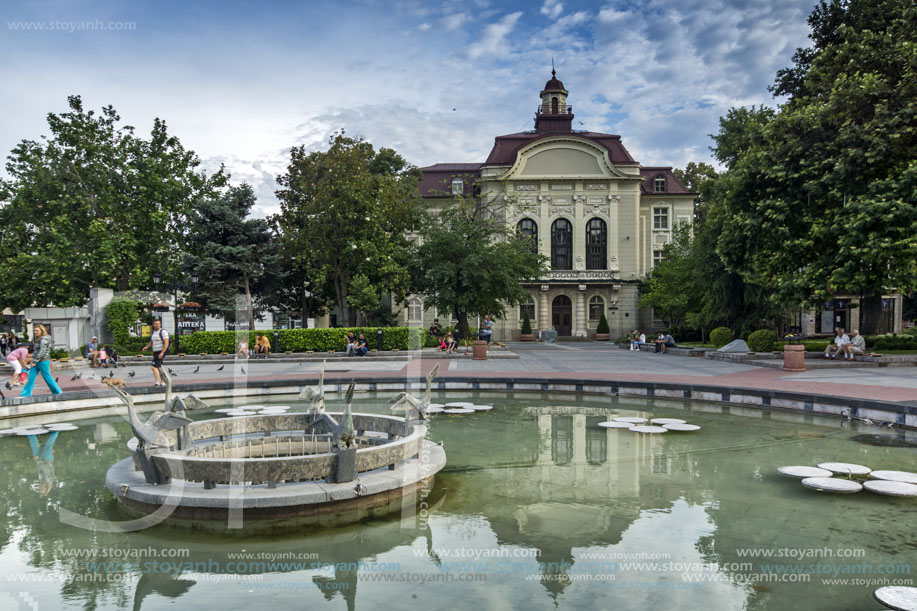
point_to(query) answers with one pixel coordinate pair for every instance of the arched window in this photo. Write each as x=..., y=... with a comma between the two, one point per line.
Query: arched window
x=415, y=310
x=529, y=229
x=527, y=307
x=596, y=307
x=561, y=244
x=554, y=105
x=596, y=244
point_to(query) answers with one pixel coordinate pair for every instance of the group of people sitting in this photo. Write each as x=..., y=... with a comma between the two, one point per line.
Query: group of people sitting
x=662, y=341
x=846, y=345
x=356, y=345
x=262, y=347
x=101, y=355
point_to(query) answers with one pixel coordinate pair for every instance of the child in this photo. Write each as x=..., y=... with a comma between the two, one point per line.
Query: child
x=103, y=356
x=16, y=359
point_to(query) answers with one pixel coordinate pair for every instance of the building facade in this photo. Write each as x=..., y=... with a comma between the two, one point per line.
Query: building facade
x=598, y=215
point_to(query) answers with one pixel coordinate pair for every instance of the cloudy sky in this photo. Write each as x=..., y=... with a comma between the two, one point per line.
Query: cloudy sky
x=242, y=82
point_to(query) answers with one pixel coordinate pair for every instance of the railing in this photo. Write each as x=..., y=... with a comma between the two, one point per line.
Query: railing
x=582, y=274
x=548, y=109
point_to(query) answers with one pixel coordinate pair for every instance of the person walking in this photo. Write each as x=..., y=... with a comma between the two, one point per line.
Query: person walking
x=3, y=344
x=42, y=359
x=159, y=342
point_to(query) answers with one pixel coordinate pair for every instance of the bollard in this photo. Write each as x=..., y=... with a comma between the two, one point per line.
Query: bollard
x=276, y=341
x=379, y=340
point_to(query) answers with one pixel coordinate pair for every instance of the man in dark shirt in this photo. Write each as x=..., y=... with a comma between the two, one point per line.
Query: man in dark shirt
x=359, y=346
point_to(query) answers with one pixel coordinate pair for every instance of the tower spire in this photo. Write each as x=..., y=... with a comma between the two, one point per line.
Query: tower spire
x=553, y=72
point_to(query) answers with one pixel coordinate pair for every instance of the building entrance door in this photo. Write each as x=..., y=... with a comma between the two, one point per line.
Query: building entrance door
x=562, y=314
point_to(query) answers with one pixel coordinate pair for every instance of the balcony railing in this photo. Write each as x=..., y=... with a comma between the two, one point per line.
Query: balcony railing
x=582, y=275
x=548, y=109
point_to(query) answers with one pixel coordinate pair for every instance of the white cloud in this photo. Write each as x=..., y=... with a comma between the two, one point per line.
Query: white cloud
x=454, y=21
x=423, y=27
x=552, y=8
x=493, y=40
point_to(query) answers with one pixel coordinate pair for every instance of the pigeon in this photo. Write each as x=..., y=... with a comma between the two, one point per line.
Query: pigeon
x=74, y=377
x=221, y=368
x=243, y=370
x=131, y=373
x=196, y=369
x=172, y=373
x=111, y=374
x=8, y=387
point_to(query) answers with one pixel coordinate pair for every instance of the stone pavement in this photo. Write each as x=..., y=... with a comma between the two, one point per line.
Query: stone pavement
x=539, y=362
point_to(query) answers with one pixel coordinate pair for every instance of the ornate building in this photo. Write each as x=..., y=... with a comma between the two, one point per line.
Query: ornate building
x=597, y=214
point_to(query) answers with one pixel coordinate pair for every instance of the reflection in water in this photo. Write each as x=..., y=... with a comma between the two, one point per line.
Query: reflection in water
x=43, y=453
x=537, y=494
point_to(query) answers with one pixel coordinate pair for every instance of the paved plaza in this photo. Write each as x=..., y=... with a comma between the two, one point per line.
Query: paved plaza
x=535, y=361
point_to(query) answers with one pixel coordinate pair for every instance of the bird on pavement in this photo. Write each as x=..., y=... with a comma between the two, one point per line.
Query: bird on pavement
x=131, y=373
x=196, y=369
x=111, y=373
x=172, y=373
x=243, y=370
x=8, y=387
x=221, y=367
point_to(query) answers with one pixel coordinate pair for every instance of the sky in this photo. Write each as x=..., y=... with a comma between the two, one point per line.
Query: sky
x=240, y=83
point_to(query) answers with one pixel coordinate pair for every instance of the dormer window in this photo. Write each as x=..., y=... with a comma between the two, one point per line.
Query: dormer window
x=458, y=186
x=659, y=184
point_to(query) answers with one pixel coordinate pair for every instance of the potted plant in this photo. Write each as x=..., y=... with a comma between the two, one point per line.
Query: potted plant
x=601, y=331
x=526, y=335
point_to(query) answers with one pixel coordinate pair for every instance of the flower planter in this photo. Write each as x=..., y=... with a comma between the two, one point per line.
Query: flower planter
x=601, y=337
x=527, y=337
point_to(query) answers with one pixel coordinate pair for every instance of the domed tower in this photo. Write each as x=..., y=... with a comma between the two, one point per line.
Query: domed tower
x=554, y=115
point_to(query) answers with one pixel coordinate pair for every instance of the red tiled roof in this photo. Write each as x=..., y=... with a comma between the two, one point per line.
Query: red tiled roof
x=672, y=184
x=436, y=180
x=506, y=147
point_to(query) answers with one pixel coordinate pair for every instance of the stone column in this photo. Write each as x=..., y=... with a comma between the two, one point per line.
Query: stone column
x=544, y=314
x=579, y=324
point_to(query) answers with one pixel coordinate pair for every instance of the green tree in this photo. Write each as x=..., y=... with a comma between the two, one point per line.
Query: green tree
x=673, y=289
x=819, y=197
x=92, y=204
x=345, y=215
x=470, y=264
x=231, y=254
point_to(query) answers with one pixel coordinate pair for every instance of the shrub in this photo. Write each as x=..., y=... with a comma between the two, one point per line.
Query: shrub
x=527, y=324
x=120, y=315
x=895, y=342
x=762, y=340
x=59, y=353
x=303, y=340
x=721, y=336
x=603, y=324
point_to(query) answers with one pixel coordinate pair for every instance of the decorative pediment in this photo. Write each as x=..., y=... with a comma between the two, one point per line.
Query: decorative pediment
x=564, y=157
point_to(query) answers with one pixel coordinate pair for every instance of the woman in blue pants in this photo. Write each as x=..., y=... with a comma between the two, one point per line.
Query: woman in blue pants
x=42, y=357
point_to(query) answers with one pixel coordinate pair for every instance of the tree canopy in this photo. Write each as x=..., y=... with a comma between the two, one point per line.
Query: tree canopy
x=470, y=264
x=819, y=196
x=345, y=215
x=93, y=204
x=232, y=255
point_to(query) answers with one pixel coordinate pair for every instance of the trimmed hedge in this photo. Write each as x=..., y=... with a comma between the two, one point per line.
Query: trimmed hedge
x=303, y=340
x=721, y=336
x=895, y=342
x=762, y=340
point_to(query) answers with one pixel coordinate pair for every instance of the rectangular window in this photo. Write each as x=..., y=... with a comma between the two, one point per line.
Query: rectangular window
x=458, y=186
x=659, y=184
x=527, y=308
x=657, y=258
x=660, y=218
